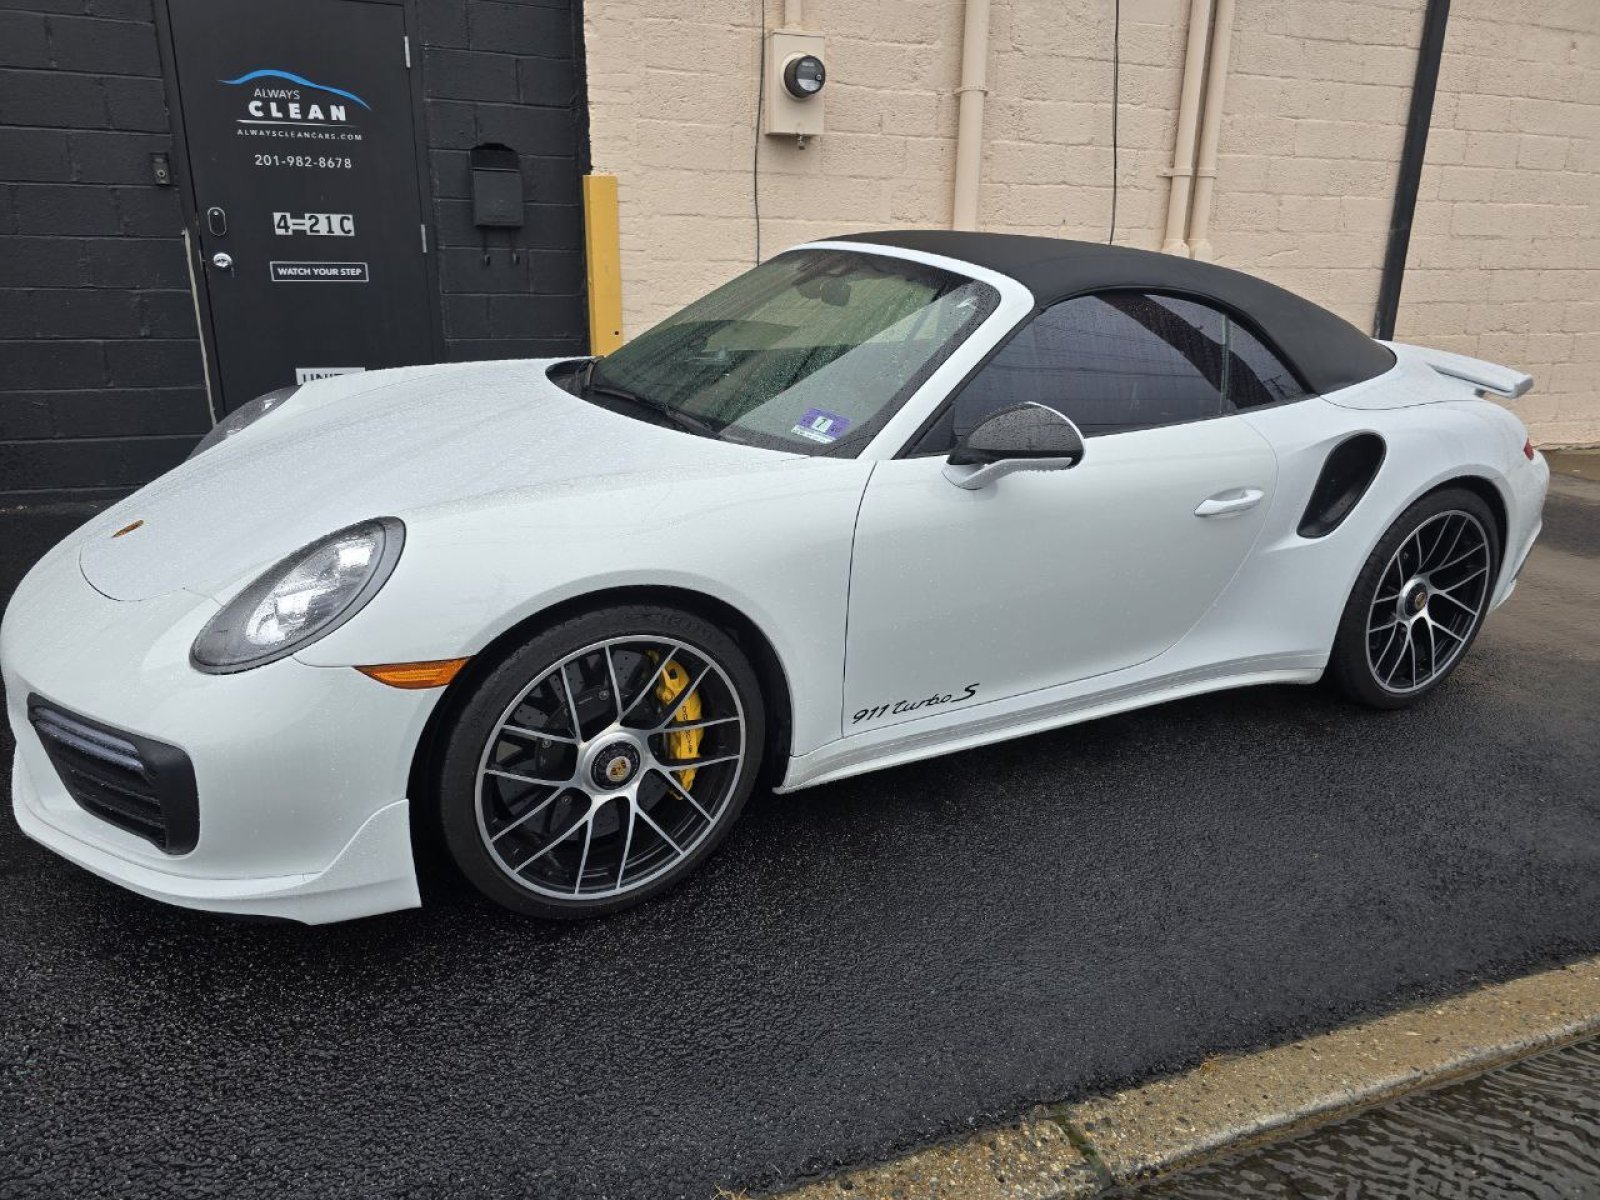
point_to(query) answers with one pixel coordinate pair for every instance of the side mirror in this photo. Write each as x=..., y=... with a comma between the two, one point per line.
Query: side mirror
x=1026, y=437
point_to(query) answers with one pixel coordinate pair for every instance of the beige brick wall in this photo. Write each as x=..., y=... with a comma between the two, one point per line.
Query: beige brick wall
x=1311, y=136
x=1314, y=118
x=1505, y=253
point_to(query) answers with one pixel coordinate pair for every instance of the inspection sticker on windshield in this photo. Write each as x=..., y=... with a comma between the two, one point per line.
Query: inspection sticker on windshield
x=820, y=425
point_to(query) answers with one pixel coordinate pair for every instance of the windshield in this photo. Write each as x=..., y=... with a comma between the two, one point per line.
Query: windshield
x=812, y=351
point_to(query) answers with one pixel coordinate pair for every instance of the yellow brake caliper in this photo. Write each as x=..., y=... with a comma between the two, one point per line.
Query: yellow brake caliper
x=685, y=743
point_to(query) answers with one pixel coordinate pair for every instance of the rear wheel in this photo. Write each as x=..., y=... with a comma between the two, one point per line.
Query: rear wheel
x=1419, y=601
x=602, y=761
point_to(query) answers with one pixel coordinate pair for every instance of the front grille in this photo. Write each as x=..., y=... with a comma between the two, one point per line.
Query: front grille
x=135, y=783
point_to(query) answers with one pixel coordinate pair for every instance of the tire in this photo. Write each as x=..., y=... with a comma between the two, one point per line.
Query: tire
x=553, y=793
x=1419, y=602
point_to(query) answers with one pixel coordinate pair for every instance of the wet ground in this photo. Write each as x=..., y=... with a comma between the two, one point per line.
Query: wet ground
x=864, y=968
x=1531, y=1130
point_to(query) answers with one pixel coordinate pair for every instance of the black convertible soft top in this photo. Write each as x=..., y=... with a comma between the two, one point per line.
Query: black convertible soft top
x=1327, y=351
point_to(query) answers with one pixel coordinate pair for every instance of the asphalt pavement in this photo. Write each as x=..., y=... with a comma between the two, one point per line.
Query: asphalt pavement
x=864, y=967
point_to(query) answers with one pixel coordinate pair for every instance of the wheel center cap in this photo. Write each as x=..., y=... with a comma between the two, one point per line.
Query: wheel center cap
x=615, y=766
x=1417, y=599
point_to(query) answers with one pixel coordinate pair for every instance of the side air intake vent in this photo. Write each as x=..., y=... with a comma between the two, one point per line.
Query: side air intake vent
x=1350, y=469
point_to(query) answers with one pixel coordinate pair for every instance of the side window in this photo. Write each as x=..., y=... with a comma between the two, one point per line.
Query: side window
x=1256, y=375
x=1112, y=362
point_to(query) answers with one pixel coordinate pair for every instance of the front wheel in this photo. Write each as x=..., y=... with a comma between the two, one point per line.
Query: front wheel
x=602, y=761
x=1419, y=601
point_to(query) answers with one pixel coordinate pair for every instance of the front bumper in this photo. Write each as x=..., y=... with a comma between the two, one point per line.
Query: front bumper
x=300, y=771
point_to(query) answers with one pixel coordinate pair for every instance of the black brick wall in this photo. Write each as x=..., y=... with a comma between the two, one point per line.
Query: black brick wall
x=101, y=382
x=508, y=72
x=101, y=375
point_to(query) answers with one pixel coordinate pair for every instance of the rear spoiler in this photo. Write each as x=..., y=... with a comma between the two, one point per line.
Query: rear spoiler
x=1486, y=376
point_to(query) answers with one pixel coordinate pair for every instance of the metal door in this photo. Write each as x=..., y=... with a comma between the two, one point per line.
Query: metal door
x=299, y=124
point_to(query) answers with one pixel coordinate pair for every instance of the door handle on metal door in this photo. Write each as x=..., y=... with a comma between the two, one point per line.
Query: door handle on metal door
x=1231, y=503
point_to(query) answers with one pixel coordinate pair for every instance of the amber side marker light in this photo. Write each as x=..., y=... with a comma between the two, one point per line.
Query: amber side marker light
x=416, y=675
x=1527, y=449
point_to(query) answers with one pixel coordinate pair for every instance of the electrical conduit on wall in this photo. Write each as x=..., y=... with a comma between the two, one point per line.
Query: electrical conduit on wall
x=969, y=121
x=1182, y=171
x=1210, y=129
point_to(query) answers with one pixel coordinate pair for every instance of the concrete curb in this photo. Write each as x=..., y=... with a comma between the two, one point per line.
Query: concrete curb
x=1068, y=1151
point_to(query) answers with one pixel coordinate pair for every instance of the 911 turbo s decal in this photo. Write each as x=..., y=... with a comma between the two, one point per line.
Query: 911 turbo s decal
x=904, y=706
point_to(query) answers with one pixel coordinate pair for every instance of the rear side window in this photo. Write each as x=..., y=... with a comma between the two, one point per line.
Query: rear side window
x=1119, y=361
x=1257, y=376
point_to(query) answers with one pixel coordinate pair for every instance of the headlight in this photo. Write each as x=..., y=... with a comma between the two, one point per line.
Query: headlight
x=307, y=595
x=243, y=417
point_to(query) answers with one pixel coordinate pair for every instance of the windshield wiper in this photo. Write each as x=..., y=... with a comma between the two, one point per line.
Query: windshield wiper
x=682, y=420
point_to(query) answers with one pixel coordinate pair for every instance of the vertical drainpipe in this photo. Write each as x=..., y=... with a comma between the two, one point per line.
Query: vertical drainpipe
x=1205, y=183
x=1423, y=88
x=969, y=121
x=1194, y=69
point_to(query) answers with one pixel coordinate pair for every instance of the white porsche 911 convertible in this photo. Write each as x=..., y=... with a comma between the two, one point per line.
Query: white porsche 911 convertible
x=880, y=498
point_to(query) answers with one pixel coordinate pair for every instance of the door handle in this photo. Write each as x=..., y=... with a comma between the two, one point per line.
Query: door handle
x=222, y=260
x=1230, y=503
